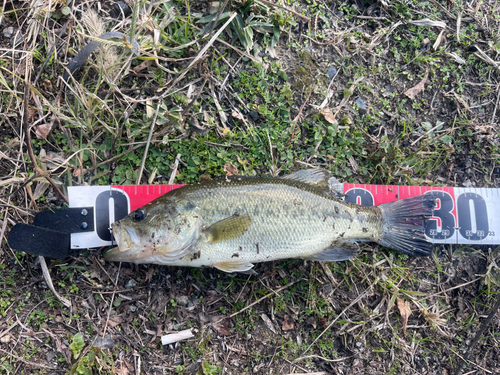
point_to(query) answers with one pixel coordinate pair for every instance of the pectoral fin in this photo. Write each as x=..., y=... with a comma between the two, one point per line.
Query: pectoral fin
x=340, y=250
x=233, y=266
x=228, y=229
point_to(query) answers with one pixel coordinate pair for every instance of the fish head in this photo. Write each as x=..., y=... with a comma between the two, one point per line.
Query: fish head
x=161, y=232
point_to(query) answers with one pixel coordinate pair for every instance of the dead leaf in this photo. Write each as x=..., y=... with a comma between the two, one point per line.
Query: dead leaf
x=268, y=322
x=205, y=178
x=40, y=189
x=114, y=321
x=237, y=115
x=42, y=131
x=322, y=321
x=230, y=169
x=222, y=327
x=150, y=111
x=195, y=127
x=428, y=22
x=328, y=115
x=404, y=310
x=439, y=39
x=122, y=370
x=415, y=90
x=287, y=324
x=143, y=65
x=77, y=172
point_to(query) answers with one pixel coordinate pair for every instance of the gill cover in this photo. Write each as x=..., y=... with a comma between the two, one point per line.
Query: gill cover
x=161, y=232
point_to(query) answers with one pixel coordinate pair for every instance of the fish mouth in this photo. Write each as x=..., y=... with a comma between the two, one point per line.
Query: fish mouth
x=129, y=247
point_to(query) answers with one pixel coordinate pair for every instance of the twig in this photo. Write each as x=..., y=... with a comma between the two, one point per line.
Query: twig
x=34, y=364
x=9, y=329
x=198, y=57
x=4, y=226
x=485, y=325
x=450, y=289
x=322, y=358
x=272, y=155
x=112, y=299
x=48, y=280
x=219, y=13
x=496, y=106
x=148, y=143
x=37, y=169
x=177, y=336
x=358, y=298
x=287, y=9
x=174, y=170
x=91, y=169
x=426, y=133
x=263, y=298
x=298, y=115
x=47, y=59
x=242, y=53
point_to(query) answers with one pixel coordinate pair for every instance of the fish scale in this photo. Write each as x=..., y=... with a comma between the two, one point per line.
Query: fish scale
x=241, y=221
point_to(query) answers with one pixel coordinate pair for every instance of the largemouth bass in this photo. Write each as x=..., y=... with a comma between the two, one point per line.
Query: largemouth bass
x=234, y=223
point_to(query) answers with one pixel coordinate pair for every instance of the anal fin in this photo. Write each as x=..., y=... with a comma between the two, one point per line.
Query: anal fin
x=233, y=266
x=340, y=250
x=228, y=229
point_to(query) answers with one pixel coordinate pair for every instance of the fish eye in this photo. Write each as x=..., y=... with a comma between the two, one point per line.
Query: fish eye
x=139, y=215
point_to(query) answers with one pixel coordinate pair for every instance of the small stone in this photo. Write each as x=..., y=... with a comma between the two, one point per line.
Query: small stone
x=467, y=183
x=182, y=300
x=8, y=32
x=332, y=72
x=130, y=284
x=106, y=342
x=389, y=89
x=426, y=41
x=50, y=356
x=5, y=339
x=254, y=115
x=363, y=108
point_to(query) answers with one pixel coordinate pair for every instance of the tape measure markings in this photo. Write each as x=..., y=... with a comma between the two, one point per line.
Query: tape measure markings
x=462, y=215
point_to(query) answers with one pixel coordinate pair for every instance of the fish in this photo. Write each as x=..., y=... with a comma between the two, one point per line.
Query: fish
x=233, y=223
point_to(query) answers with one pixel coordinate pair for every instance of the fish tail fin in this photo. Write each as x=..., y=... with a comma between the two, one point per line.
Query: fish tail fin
x=404, y=225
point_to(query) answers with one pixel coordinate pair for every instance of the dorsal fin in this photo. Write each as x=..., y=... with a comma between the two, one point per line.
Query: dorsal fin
x=319, y=178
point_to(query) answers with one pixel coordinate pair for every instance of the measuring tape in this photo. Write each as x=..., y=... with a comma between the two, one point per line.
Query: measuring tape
x=469, y=216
